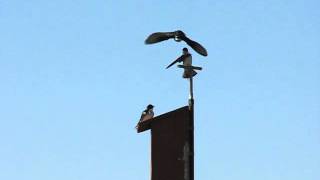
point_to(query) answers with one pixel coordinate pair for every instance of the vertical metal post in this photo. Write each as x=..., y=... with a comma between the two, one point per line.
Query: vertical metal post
x=191, y=132
x=191, y=89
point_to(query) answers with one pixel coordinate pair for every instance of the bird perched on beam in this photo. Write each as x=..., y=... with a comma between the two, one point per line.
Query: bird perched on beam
x=177, y=36
x=147, y=113
x=186, y=58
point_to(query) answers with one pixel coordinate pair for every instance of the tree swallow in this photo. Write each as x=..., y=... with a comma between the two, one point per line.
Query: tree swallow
x=186, y=58
x=177, y=36
x=147, y=113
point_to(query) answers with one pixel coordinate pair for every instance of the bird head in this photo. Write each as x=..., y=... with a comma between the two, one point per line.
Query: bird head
x=185, y=51
x=150, y=106
x=178, y=35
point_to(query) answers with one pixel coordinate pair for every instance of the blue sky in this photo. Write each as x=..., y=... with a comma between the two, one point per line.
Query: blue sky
x=75, y=76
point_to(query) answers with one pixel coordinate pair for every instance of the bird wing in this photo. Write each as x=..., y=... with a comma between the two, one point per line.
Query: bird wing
x=143, y=114
x=196, y=46
x=162, y=36
x=158, y=37
x=180, y=59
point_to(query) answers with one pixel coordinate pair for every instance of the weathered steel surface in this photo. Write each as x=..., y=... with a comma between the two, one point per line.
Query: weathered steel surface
x=170, y=146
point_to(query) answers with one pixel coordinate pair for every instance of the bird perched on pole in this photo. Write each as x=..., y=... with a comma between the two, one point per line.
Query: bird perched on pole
x=186, y=58
x=177, y=36
x=147, y=113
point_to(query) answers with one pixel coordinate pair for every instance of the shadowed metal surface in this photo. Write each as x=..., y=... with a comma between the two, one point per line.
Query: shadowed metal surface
x=170, y=146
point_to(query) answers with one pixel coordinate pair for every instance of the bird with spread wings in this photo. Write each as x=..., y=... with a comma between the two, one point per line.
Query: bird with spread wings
x=177, y=36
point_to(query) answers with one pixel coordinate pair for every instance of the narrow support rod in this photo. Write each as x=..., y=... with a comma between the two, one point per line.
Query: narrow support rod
x=191, y=88
x=191, y=132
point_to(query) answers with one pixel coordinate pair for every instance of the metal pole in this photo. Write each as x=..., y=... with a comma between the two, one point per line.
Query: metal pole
x=191, y=88
x=191, y=132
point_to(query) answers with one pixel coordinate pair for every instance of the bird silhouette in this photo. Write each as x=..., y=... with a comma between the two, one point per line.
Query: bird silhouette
x=186, y=58
x=177, y=36
x=147, y=113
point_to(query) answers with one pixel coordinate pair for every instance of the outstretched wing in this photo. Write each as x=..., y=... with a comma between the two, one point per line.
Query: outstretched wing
x=196, y=46
x=178, y=35
x=158, y=37
x=180, y=59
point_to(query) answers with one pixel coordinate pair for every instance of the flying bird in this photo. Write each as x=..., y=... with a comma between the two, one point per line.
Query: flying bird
x=186, y=58
x=177, y=36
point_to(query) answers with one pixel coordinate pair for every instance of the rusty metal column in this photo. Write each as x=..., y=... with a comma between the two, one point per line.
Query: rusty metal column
x=191, y=132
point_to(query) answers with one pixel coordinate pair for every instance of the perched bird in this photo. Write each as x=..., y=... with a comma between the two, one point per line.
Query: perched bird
x=177, y=36
x=186, y=58
x=147, y=113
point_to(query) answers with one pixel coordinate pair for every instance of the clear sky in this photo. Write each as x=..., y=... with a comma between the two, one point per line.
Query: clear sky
x=75, y=76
